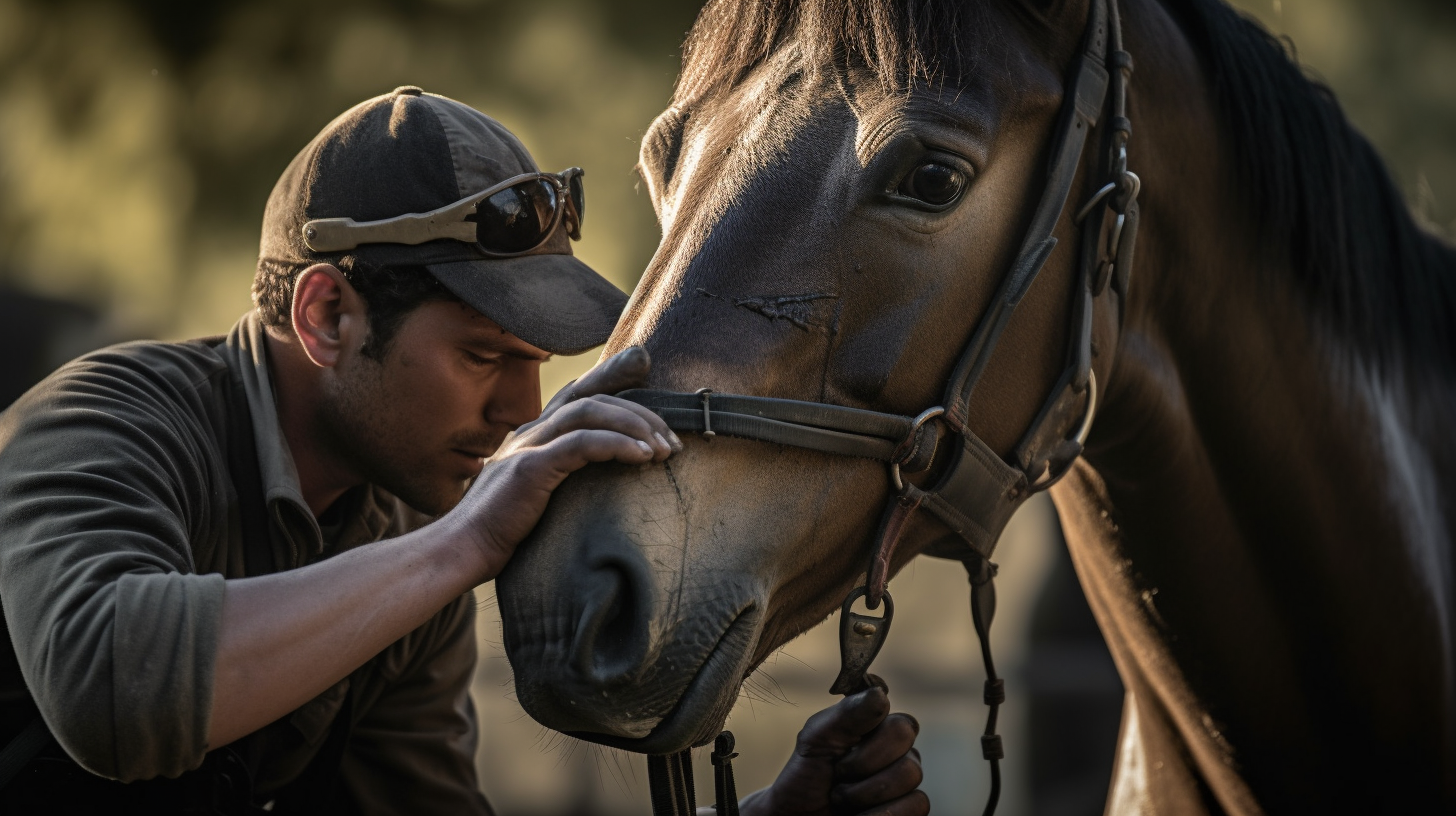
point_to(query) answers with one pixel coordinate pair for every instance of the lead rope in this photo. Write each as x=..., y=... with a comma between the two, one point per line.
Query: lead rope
x=670, y=780
x=982, y=574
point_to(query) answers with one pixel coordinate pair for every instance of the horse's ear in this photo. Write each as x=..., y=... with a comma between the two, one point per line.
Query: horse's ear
x=658, y=157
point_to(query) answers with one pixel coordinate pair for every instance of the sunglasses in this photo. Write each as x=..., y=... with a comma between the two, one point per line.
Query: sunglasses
x=511, y=218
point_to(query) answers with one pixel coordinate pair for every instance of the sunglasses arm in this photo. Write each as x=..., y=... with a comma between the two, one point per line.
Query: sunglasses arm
x=340, y=234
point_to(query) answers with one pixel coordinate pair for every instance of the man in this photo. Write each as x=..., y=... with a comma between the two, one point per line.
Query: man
x=218, y=569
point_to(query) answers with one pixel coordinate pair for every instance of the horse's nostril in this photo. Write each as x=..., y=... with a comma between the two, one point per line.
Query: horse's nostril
x=611, y=635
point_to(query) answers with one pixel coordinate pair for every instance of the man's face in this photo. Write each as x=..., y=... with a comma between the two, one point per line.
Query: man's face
x=451, y=385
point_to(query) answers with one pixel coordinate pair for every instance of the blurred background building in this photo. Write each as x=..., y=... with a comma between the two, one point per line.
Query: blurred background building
x=140, y=138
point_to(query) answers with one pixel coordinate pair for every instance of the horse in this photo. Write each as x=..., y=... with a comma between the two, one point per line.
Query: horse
x=1261, y=514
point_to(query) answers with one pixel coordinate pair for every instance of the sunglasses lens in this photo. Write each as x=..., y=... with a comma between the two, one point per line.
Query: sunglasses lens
x=517, y=218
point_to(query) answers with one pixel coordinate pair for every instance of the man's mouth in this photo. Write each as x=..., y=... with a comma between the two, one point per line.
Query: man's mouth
x=472, y=454
x=474, y=460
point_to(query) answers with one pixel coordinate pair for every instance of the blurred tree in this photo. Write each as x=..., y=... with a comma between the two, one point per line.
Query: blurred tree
x=139, y=138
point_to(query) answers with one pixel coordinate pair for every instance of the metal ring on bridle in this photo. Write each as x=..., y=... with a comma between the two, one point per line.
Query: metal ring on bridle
x=1047, y=479
x=1094, y=201
x=1081, y=437
x=1108, y=189
x=1116, y=240
x=924, y=417
x=1137, y=187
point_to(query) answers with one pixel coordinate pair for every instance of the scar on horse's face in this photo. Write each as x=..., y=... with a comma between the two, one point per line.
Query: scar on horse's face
x=827, y=240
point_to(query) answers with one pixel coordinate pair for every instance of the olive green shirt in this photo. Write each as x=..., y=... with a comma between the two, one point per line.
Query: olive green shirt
x=119, y=522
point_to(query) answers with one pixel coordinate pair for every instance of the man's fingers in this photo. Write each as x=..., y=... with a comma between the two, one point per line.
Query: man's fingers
x=609, y=414
x=657, y=423
x=627, y=368
x=889, y=741
x=890, y=784
x=574, y=451
x=914, y=803
x=836, y=729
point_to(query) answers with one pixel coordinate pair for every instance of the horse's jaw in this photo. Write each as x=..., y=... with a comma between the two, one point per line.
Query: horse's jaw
x=631, y=622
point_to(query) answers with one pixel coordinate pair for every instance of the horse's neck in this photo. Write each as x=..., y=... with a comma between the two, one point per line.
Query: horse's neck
x=1264, y=531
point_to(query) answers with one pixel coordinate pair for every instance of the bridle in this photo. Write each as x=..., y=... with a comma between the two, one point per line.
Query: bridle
x=978, y=491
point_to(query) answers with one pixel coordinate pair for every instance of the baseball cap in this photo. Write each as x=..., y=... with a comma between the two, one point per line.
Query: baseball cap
x=413, y=152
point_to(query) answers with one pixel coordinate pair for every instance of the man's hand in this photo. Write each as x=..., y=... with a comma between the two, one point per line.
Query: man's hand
x=581, y=425
x=850, y=759
x=287, y=636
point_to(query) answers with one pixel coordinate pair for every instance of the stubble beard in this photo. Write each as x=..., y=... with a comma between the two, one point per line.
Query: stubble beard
x=358, y=429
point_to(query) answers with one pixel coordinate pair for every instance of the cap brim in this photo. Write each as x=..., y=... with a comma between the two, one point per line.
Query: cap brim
x=553, y=302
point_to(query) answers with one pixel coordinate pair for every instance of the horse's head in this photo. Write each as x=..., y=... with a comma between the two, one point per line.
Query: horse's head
x=841, y=188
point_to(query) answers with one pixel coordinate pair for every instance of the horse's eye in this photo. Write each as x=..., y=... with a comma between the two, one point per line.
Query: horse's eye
x=934, y=183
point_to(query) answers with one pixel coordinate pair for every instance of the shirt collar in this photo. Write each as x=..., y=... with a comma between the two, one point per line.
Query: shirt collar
x=364, y=520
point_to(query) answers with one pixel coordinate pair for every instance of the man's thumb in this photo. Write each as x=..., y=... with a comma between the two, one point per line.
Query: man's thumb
x=626, y=369
x=840, y=727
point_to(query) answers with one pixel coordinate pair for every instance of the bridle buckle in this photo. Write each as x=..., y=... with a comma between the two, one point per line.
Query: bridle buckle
x=707, y=413
x=911, y=444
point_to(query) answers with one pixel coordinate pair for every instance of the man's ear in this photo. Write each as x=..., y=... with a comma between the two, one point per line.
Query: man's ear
x=328, y=315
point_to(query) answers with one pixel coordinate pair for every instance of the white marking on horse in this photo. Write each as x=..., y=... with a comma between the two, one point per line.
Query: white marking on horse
x=1411, y=487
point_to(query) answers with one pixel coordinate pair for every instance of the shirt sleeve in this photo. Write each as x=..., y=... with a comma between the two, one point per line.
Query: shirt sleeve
x=114, y=633
x=412, y=749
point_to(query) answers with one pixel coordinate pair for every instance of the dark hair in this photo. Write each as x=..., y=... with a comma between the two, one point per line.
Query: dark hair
x=389, y=292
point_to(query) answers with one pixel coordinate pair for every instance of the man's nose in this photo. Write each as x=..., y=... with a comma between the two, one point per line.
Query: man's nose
x=517, y=399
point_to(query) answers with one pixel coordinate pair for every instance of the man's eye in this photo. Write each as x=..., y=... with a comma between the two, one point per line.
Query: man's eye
x=934, y=183
x=477, y=361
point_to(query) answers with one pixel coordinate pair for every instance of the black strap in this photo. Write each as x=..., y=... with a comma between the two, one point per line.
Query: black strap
x=724, y=787
x=22, y=748
x=670, y=779
x=982, y=574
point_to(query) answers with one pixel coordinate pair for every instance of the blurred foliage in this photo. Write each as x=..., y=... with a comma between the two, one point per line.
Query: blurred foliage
x=139, y=140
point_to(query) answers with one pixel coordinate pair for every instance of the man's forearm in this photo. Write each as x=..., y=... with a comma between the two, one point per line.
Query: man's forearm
x=288, y=636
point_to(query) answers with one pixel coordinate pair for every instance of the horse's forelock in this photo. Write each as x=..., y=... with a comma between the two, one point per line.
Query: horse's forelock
x=900, y=42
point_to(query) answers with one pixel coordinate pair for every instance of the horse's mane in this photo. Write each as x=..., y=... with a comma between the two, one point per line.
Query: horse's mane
x=1322, y=196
